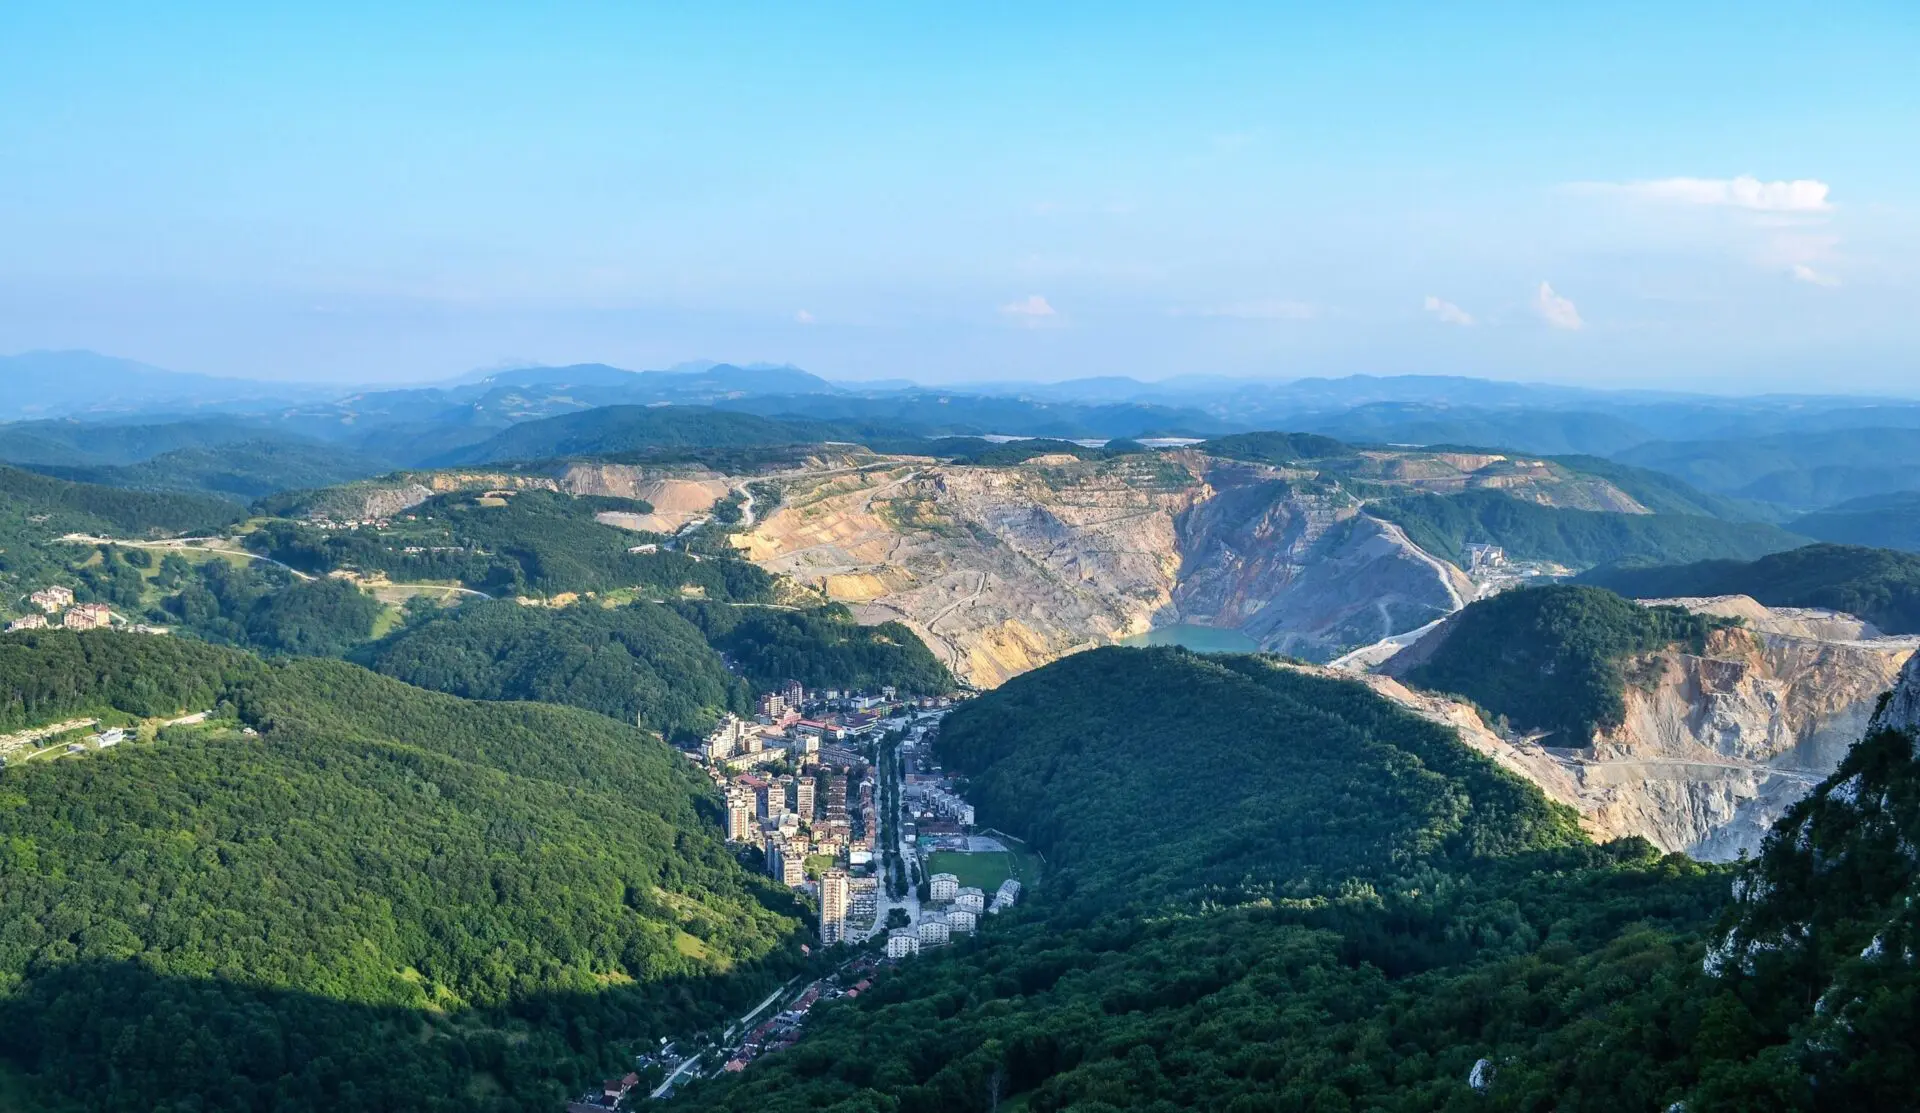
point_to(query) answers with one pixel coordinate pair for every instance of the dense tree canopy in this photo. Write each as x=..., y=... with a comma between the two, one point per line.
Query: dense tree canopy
x=533, y=543
x=386, y=898
x=1553, y=658
x=1878, y=585
x=641, y=664
x=1445, y=525
x=821, y=648
x=1268, y=890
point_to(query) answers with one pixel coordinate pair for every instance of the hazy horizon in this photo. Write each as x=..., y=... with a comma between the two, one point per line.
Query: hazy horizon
x=1700, y=201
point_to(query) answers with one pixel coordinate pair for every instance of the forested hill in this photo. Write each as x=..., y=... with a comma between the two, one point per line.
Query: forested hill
x=386, y=899
x=663, y=666
x=1553, y=658
x=71, y=506
x=640, y=664
x=1445, y=525
x=1878, y=585
x=1163, y=772
x=1268, y=890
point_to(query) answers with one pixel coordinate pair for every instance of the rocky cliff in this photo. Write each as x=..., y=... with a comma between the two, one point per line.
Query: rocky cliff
x=1002, y=569
x=1827, y=917
x=1715, y=747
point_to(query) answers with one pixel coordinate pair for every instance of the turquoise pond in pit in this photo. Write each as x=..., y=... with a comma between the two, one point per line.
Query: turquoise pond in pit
x=1200, y=639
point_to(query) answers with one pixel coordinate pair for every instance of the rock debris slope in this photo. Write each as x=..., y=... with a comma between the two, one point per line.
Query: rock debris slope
x=1003, y=569
x=1715, y=747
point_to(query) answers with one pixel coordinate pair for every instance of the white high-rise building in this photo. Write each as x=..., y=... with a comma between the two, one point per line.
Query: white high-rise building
x=741, y=826
x=934, y=932
x=971, y=900
x=833, y=906
x=944, y=886
x=962, y=921
x=902, y=942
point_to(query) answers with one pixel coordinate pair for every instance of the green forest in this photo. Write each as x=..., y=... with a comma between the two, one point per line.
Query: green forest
x=642, y=664
x=537, y=543
x=821, y=648
x=1879, y=585
x=241, y=471
x=36, y=510
x=1445, y=525
x=384, y=898
x=1554, y=658
x=1267, y=890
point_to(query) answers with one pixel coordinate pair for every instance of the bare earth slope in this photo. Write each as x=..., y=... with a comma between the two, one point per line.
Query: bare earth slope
x=1714, y=747
x=1002, y=569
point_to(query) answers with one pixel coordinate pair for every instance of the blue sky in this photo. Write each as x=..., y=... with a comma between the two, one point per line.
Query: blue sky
x=1716, y=196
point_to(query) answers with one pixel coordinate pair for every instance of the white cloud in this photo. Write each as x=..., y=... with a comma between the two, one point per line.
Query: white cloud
x=1802, y=195
x=1264, y=309
x=1033, y=308
x=1447, y=312
x=1805, y=273
x=803, y=317
x=1555, y=310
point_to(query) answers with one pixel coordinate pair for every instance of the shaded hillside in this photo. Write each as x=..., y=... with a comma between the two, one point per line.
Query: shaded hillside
x=821, y=648
x=1878, y=585
x=1275, y=448
x=71, y=506
x=1553, y=658
x=71, y=443
x=639, y=664
x=242, y=471
x=508, y=897
x=1883, y=521
x=1804, y=469
x=1445, y=525
x=1273, y=891
x=1524, y=430
x=625, y=429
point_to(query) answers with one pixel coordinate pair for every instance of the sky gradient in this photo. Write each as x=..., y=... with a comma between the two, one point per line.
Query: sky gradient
x=1703, y=196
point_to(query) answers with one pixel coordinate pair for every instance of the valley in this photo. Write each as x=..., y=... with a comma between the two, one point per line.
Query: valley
x=1446, y=760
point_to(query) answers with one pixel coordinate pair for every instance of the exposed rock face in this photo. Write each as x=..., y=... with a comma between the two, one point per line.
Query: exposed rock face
x=1714, y=748
x=1003, y=569
x=1902, y=710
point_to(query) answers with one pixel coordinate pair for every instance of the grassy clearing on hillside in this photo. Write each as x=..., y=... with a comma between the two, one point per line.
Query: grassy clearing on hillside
x=984, y=871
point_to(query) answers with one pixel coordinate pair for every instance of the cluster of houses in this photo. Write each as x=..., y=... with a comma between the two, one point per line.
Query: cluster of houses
x=57, y=602
x=782, y=1029
x=611, y=1093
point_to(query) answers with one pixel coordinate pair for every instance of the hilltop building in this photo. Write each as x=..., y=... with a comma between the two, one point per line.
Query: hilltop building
x=28, y=622
x=52, y=599
x=87, y=616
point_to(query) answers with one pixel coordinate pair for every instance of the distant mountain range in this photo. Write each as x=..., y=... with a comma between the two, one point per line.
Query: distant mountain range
x=1774, y=457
